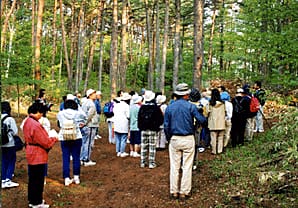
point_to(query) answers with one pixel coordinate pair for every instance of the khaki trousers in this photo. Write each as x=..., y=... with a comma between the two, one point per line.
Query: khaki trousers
x=217, y=139
x=227, y=132
x=181, y=152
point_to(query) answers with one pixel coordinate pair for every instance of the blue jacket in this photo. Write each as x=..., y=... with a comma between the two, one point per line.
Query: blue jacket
x=179, y=118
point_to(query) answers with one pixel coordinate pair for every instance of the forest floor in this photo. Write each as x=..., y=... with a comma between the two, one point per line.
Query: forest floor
x=113, y=181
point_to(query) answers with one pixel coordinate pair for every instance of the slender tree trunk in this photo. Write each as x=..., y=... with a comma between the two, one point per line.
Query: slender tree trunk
x=221, y=31
x=101, y=46
x=93, y=45
x=157, y=50
x=164, y=48
x=69, y=71
x=176, y=43
x=150, y=52
x=114, y=50
x=81, y=44
x=211, y=39
x=124, y=39
x=37, y=71
x=33, y=38
x=198, y=43
x=53, y=65
x=5, y=24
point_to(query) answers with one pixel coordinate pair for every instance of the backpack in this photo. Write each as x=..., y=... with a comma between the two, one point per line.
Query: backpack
x=4, y=131
x=108, y=109
x=254, y=105
x=238, y=108
x=69, y=130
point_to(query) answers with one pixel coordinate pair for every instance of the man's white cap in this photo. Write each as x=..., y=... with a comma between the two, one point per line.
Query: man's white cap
x=98, y=92
x=89, y=92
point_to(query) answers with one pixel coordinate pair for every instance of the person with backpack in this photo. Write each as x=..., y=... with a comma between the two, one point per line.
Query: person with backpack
x=70, y=121
x=260, y=94
x=239, y=117
x=8, y=130
x=98, y=110
x=179, y=129
x=150, y=118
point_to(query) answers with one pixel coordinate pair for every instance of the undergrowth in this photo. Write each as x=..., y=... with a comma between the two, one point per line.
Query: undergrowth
x=263, y=172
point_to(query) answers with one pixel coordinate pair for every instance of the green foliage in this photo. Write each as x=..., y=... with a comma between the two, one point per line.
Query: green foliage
x=271, y=156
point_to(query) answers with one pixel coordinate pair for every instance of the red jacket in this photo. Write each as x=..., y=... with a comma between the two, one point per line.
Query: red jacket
x=37, y=141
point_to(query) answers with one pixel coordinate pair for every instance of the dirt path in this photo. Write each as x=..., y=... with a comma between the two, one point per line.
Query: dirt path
x=113, y=182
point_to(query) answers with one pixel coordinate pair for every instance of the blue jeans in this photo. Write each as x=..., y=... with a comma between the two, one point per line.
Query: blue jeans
x=121, y=139
x=9, y=157
x=71, y=148
x=86, y=144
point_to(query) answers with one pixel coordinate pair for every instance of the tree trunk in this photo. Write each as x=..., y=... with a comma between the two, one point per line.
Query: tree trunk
x=221, y=33
x=157, y=50
x=164, y=48
x=37, y=72
x=198, y=43
x=101, y=46
x=150, y=52
x=53, y=65
x=69, y=71
x=176, y=43
x=5, y=24
x=124, y=38
x=211, y=39
x=93, y=45
x=114, y=50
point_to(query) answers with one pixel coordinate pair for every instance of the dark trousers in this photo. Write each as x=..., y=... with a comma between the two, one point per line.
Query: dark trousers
x=8, y=162
x=238, y=130
x=36, y=183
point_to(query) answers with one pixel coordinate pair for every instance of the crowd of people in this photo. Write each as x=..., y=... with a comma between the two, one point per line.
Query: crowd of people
x=188, y=124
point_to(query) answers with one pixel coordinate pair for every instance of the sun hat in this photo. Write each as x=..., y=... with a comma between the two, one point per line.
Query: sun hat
x=136, y=99
x=149, y=95
x=182, y=89
x=240, y=90
x=224, y=96
x=70, y=97
x=125, y=96
x=161, y=99
x=89, y=92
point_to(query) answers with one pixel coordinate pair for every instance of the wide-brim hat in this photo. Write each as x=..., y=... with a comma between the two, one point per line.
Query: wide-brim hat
x=149, y=95
x=161, y=99
x=89, y=92
x=126, y=96
x=182, y=89
x=70, y=97
x=136, y=99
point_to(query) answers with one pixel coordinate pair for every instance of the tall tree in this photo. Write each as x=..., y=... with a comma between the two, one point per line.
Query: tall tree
x=177, y=42
x=157, y=48
x=37, y=72
x=114, y=50
x=54, y=40
x=198, y=43
x=66, y=58
x=124, y=39
x=101, y=47
x=210, y=49
x=164, y=48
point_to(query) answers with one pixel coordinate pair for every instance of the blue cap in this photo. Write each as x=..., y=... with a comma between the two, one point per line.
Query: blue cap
x=225, y=96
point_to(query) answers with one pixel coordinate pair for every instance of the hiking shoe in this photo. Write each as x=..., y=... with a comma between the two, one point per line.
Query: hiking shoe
x=10, y=184
x=124, y=154
x=135, y=154
x=76, y=179
x=89, y=163
x=67, y=181
x=183, y=197
x=174, y=196
x=151, y=166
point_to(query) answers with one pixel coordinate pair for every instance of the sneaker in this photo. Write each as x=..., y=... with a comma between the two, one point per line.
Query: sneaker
x=255, y=130
x=67, y=181
x=97, y=137
x=201, y=149
x=135, y=154
x=39, y=206
x=76, y=179
x=194, y=167
x=10, y=184
x=3, y=184
x=261, y=131
x=151, y=166
x=142, y=165
x=118, y=154
x=89, y=163
x=131, y=153
x=124, y=154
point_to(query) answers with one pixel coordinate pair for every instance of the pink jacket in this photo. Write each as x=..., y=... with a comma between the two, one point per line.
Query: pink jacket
x=37, y=142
